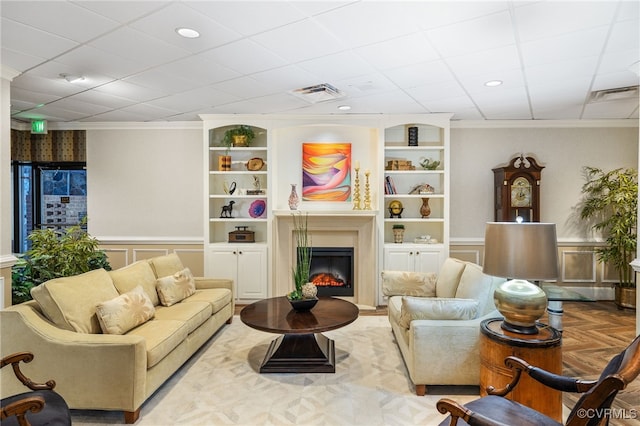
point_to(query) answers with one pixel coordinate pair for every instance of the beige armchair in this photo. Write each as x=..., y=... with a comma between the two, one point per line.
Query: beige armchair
x=436, y=321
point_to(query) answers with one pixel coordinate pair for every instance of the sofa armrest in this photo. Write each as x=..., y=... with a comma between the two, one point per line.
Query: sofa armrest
x=203, y=283
x=91, y=370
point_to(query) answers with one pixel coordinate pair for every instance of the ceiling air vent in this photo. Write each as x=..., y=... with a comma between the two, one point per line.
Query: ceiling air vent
x=619, y=93
x=318, y=93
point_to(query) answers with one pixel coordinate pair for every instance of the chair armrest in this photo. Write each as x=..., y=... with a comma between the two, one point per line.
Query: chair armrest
x=457, y=411
x=551, y=380
x=21, y=407
x=14, y=360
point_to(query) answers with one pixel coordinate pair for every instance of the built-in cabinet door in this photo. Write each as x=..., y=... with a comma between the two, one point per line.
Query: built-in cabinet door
x=252, y=273
x=245, y=265
x=415, y=258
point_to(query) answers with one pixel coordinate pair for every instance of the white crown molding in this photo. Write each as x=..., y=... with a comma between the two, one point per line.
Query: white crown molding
x=509, y=124
x=8, y=73
x=7, y=261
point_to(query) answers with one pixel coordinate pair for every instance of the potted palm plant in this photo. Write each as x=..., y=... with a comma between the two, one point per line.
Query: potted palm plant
x=238, y=136
x=304, y=295
x=610, y=205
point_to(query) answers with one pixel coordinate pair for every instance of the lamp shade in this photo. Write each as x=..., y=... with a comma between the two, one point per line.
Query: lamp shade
x=527, y=251
x=521, y=252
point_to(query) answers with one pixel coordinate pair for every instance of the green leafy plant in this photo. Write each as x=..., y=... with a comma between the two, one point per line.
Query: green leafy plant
x=611, y=205
x=53, y=255
x=303, y=255
x=242, y=130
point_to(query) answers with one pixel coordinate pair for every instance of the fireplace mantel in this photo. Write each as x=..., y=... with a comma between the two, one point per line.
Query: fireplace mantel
x=355, y=228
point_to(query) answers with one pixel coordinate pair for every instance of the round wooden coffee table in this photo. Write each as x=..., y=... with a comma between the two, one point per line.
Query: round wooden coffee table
x=301, y=348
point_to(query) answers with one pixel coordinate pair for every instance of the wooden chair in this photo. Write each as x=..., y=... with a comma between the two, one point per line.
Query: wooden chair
x=593, y=408
x=41, y=406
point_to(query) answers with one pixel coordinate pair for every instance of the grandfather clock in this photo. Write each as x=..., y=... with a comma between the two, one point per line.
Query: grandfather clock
x=517, y=190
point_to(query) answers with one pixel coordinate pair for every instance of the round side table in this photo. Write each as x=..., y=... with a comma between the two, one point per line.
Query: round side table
x=542, y=350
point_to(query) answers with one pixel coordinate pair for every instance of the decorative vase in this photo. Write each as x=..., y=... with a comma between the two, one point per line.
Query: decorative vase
x=293, y=198
x=240, y=140
x=398, y=235
x=425, y=210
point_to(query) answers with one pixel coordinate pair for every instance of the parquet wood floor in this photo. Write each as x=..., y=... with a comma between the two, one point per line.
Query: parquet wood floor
x=593, y=334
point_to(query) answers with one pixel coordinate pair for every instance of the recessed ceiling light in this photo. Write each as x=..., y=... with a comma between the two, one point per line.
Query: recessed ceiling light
x=344, y=107
x=493, y=83
x=188, y=32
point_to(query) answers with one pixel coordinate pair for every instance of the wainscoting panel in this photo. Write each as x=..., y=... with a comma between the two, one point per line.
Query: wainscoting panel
x=578, y=266
x=123, y=253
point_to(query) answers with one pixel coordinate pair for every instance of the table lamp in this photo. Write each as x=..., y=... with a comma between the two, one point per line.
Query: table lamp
x=520, y=252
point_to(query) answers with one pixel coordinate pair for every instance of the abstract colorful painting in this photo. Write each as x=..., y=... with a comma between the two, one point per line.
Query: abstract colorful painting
x=326, y=171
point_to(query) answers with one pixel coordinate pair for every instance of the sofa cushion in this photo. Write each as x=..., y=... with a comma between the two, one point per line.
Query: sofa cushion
x=174, y=288
x=398, y=283
x=166, y=265
x=160, y=338
x=218, y=298
x=474, y=284
x=121, y=314
x=421, y=308
x=138, y=273
x=193, y=314
x=449, y=277
x=70, y=302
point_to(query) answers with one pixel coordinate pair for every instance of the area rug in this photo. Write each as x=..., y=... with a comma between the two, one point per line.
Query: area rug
x=220, y=385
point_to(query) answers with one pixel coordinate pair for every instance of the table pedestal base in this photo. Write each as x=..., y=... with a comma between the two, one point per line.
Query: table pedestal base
x=300, y=353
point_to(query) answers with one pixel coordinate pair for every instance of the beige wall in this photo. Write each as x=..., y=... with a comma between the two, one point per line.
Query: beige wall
x=124, y=253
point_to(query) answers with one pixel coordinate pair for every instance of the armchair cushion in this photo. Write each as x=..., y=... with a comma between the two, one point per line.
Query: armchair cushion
x=420, y=308
x=399, y=283
x=129, y=310
x=449, y=277
x=70, y=302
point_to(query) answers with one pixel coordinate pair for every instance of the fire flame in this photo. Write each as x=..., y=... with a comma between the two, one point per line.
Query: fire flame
x=324, y=279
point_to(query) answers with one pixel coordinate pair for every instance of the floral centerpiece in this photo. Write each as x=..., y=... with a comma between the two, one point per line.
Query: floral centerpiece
x=300, y=272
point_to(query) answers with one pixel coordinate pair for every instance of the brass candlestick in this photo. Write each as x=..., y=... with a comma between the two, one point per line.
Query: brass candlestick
x=367, y=191
x=356, y=190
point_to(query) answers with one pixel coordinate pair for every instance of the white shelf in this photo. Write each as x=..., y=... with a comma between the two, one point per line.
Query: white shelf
x=387, y=196
x=237, y=172
x=409, y=172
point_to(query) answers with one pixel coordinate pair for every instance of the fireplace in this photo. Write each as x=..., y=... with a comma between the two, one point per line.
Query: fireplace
x=332, y=270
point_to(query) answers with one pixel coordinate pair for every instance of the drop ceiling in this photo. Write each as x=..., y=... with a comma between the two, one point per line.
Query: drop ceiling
x=384, y=56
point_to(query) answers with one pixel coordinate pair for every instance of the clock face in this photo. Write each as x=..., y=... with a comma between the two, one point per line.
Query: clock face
x=521, y=193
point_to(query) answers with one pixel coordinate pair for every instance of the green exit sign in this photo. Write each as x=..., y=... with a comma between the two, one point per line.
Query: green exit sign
x=39, y=127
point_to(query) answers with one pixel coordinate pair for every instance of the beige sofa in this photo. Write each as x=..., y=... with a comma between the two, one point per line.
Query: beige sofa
x=107, y=337
x=436, y=321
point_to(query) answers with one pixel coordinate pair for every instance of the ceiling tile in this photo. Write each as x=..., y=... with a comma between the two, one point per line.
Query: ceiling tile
x=475, y=35
x=192, y=100
x=87, y=60
x=67, y=16
x=244, y=56
x=398, y=52
x=146, y=50
x=22, y=38
x=198, y=68
x=434, y=14
x=286, y=78
x=561, y=71
x=613, y=109
x=263, y=16
x=376, y=21
x=163, y=25
x=420, y=74
x=349, y=65
x=133, y=9
x=547, y=19
x=299, y=41
x=130, y=91
x=245, y=87
x=565, y=47
x=491, y=61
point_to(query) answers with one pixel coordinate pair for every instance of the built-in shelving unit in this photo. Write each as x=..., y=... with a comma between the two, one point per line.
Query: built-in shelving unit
x=406, y=181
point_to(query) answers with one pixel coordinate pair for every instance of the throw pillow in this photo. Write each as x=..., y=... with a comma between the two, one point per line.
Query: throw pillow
x=138, y=273
x=449, y=277
x=176, y=287
x=129, y=310
x=166, y=265
x=420, y=308
x=401, y=283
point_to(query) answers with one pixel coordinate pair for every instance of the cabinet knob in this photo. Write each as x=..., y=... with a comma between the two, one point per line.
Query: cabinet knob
x=410, y=253
x=239, y=252
x=234, y=252
x=417, y=253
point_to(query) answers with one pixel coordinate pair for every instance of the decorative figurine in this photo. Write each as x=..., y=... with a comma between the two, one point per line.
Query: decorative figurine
x=367, y=191
x=227, y=210
x=356, y=188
